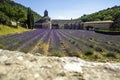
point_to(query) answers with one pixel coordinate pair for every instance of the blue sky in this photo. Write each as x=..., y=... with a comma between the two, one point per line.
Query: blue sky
x=67, y=9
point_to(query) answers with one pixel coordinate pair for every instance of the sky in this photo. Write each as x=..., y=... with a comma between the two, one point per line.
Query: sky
x=67, y=9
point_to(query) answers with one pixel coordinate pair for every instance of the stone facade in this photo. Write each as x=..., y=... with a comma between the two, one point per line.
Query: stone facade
x=45, y=22
x=102, y=25
x=67, y=24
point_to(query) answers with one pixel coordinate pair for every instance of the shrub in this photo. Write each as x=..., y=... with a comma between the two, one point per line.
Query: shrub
x=77, y=44
x=111, y=55
x=57, y=53
x=108, y=32
x=89, y=52
x=1, y=46
x=73, y=41
x=97, y=56
x=91, y=38
x=108, y=42
x=91, y=45
x=75, y=53
x=99, y=49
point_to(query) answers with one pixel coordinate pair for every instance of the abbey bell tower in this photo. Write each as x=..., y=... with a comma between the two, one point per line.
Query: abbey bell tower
x=45, y=13
x=45, y=22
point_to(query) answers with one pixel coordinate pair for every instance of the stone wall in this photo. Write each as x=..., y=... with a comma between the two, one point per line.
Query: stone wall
x=20, y=66
x=59, y=24
x=62, y=23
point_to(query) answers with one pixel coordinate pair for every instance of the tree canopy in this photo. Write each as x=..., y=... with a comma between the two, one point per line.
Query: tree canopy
x=106, y=14
x=116, y=24
x=12, y=11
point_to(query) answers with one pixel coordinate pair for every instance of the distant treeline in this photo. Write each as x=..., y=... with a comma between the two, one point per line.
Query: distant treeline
x=106, y=14
x=12, y=11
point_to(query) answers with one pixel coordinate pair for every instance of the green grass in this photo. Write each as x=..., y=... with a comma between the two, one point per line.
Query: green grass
x=57, y=53
x=1, y=46
x=4, y=30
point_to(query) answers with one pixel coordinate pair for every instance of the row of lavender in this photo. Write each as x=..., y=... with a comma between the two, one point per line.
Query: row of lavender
x=61, y=42
x=91, y=40
x=21, y=42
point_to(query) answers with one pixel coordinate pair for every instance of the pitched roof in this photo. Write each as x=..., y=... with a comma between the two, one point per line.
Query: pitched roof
x=93, y=22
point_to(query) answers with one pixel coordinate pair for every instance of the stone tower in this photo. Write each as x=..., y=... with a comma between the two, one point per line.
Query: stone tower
x=45, y=22
x=45, y=13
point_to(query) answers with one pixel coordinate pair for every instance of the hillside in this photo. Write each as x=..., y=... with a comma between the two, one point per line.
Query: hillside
x=10, y=10
x=106, y=14
x=4, y=30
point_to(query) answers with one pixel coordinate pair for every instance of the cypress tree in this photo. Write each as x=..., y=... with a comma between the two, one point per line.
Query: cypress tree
x=30, y=19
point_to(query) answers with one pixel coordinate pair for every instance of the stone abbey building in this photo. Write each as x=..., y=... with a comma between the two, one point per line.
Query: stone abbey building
x=47, y=23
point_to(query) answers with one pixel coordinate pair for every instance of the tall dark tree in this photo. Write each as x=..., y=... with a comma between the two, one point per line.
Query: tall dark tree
x=30, y=19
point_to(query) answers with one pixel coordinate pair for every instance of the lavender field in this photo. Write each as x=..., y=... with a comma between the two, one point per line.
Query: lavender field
x=80, y=43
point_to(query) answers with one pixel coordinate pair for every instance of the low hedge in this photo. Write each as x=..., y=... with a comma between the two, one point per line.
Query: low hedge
x=108, y=32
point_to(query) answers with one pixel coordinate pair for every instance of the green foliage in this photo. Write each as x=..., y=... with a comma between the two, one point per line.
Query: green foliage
x=13, y=11
x=30, y=19
x=91, y=45
x=89, y=52
x=3, y=18
x=116, y=24
x=97, y=56
x=73, y=41
x=109, y=32
x=111, y=55
x=75, y=53
x=1, y=46
x=99, y=49
x=107, y=14
x=57, y=53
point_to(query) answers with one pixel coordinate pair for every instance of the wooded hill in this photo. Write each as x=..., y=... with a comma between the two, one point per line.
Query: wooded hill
x=12, y=11
x=106, y=14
